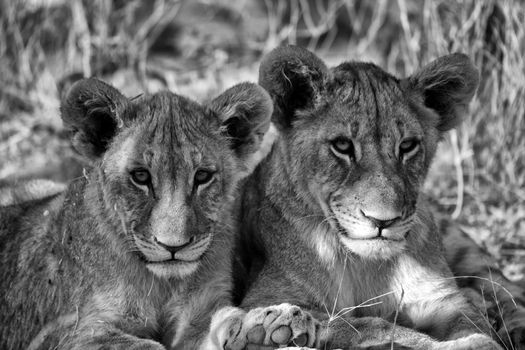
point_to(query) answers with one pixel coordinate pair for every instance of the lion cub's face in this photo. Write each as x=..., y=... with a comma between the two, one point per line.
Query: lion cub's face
x=361, y=140
x=171, y=174
x=169, y=167
x=367, y=155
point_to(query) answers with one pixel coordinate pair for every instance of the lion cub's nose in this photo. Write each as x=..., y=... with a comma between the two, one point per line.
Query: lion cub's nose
x=382, y=221
x=175, y=248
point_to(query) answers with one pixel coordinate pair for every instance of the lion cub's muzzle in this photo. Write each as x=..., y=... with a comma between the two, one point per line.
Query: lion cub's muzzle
x=366, y=225
x=173, y=260
x=388, y=225
x=372, y=233
x=188, y=250
x=173, y=249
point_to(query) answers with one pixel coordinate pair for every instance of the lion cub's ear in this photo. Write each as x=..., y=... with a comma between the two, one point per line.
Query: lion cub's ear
x=244, y=111
x=295, y=78
x=90, y=111
x=446, y=86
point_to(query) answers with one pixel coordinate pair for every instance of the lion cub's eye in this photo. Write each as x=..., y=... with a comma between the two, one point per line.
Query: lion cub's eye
x=343, y=147
x=141, y=177
x=203, y=176
x=408, y=147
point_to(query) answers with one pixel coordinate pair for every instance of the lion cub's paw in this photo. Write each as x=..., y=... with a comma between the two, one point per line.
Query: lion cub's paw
x=471, y=342
x=275, y=326
x=225, y=325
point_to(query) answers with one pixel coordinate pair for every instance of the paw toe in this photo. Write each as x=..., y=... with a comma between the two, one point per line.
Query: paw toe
x=270, y=316
x=282, y=335
x=256, y=335
x=300, y=340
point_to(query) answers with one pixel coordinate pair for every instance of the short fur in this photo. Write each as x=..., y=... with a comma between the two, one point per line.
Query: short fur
x=334, y=232
x=88, y=268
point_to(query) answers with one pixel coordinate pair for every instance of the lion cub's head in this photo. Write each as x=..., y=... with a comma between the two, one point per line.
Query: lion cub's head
x=360, y=141
x=166, y=167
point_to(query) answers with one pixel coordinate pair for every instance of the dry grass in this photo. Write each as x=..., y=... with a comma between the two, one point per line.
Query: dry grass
x=200, y=47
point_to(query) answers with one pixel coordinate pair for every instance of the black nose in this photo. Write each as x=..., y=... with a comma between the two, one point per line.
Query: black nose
x=174, y=248
x=380, y=223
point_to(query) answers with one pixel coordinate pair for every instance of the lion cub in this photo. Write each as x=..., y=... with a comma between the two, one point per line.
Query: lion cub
x=332, y=218
x=135, y=254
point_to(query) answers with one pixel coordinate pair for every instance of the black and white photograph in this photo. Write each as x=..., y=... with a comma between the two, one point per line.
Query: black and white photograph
x=262, y=174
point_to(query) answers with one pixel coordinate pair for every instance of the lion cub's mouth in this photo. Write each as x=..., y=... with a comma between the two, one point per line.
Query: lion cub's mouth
x=353, y=228
x=162, y=262
x=172, y=261
x=365, y=241
x=345, y=234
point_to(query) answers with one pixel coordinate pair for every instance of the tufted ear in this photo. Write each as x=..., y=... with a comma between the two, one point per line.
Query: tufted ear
x=295, y=78
x=446, y=86
x=90, y=111
x=244, y=111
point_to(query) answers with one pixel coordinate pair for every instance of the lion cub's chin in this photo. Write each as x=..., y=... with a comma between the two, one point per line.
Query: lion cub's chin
x=373, y=248
x=173, y=268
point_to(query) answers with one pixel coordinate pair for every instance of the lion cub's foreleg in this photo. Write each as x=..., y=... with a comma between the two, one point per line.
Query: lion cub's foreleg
x=428, y=301
x=431, y=300
x=109, y=322
x=110, y=337
x=376, y=333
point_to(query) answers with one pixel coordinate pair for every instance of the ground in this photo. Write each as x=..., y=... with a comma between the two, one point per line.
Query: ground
x=198, y=48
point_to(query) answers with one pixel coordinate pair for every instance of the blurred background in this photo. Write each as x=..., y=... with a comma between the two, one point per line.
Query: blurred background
x=199, y=47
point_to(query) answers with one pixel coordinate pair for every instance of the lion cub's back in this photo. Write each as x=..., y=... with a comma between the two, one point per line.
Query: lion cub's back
x=29, y=190
x=21, y=241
